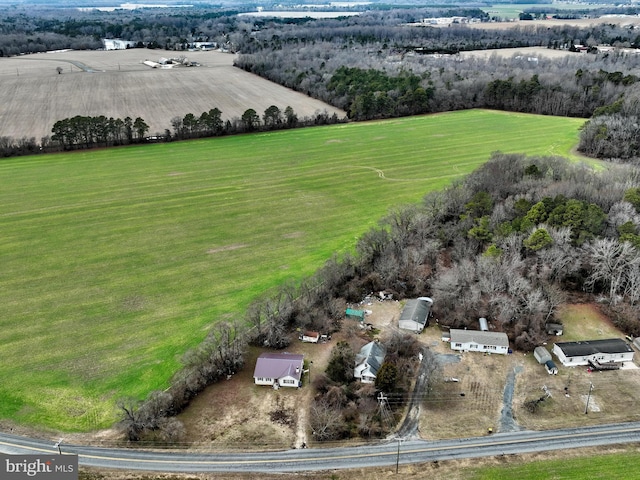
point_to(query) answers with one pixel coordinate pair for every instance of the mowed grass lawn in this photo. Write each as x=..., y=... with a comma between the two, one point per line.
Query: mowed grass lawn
x=116, y=262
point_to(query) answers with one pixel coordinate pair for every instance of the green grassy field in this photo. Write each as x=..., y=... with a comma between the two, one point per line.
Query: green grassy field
x=115, y=262
x=600, y=467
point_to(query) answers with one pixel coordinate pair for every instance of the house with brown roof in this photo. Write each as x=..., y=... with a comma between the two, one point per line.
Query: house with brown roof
x=279, y=369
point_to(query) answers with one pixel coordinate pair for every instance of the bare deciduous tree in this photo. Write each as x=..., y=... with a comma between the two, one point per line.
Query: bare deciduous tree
x=325, y=421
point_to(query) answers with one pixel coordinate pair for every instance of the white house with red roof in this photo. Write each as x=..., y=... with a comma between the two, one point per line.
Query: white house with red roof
x=279, y=369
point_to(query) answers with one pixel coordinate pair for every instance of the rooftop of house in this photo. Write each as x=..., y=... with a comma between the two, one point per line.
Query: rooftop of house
x=499, y=339
x=416, y=310
x=592, y=347
x=279, y=365
x=373, y=354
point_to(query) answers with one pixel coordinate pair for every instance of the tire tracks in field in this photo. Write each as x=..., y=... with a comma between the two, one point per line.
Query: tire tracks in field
x=383, y=176
x=75, y=63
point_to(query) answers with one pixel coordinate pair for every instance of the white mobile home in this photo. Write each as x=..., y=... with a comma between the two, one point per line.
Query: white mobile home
x=593, y=352
x=477, y=341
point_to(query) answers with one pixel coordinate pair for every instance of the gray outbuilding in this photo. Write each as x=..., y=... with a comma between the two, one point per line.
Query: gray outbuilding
x=415, y=314
x=542, y=355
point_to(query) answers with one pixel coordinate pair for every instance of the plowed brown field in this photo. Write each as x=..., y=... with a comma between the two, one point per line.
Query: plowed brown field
x=33, y=95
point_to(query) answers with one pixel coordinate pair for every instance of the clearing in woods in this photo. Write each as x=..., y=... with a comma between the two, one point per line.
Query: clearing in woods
x=117, y=84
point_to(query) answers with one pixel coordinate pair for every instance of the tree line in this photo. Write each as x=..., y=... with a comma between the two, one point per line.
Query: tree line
x=613, y=132
x=91, y=132
x=210, y=123
x=84, y=132
x=42, y=28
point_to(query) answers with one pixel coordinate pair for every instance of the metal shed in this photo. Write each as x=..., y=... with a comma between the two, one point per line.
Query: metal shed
x=354, y=314
x=542, y=355
x=415, y=314
x=484, y=325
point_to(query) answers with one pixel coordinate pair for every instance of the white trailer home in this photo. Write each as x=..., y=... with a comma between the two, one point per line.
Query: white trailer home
x=593, y=352
x=478, y=341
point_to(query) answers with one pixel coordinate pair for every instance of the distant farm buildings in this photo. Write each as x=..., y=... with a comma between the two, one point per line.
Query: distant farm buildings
x=478, y=341
x=204, y=45
x=600, y=354
x=117, y=44
x=415, y=315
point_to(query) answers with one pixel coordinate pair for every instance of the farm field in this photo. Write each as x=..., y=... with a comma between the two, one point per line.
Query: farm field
x=116, y=262
x=34, y=96
x=513, y=12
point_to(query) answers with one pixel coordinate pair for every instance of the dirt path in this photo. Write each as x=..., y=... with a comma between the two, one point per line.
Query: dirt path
x=507, y=421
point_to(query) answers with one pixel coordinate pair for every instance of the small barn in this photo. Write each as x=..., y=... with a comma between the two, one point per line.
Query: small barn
x=551, y=367
x=415, y=314
x=597, y=353
x=354, y=314
x=554, y=329
x=368, y=362
x=310, y=337
x=477, y=341
x=542, y=355
x=279, y=369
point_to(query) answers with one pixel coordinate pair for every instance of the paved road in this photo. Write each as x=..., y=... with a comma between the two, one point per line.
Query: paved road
x=379, y=454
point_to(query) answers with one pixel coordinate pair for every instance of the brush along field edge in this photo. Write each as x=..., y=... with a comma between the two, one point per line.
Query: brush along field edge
x=116, y=262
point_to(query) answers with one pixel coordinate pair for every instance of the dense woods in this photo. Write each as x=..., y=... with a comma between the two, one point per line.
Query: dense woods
x=311, y=58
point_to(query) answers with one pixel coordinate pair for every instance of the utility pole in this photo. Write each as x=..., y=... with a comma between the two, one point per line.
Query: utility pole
x=383, y=406
x=586, y=407
x=398, y=456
